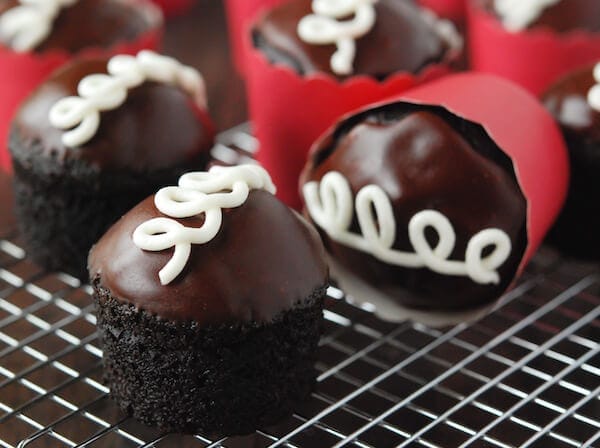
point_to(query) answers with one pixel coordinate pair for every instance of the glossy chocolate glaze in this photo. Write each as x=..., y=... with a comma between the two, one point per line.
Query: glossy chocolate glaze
x=576, y=230
x=567, y=101
x=426, y=159
x=264, y=260
x=566, y=15
x=157, y=127
x=400, y=41
x=94, y=23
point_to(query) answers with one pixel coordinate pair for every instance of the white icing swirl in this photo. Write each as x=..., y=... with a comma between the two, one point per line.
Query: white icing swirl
x=101, y=92
x=330, y=204
x=594, y=94
x=325, y=28
x=198, y=193
x=517, y=15
x=30, y=23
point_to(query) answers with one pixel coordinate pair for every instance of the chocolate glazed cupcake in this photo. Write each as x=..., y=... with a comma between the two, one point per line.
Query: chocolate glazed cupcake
x=418, y=202
x=405, y=38
x=574, y=102
x=81, y=162
x=209, y=322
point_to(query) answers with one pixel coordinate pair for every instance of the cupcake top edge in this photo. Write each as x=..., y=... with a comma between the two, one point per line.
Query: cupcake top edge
x=74, y=25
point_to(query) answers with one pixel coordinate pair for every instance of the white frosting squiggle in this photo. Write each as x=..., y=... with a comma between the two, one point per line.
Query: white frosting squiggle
x=517, y=15
x=101, y=92
x=324, y=28
x=594, y=95
x=198, y=193
x=30, y=23
x=331, y=206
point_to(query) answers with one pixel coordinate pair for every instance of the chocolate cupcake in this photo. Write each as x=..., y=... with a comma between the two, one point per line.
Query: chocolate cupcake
x=327, y=59
x=38, y=37
x=81, y=162
x=397, y=36
x=420, y=203
x=575, y=104
x=209, y=299
x=533, y=43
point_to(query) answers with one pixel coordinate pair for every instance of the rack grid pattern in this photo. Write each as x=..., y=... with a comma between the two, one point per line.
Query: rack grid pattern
x=525, y=375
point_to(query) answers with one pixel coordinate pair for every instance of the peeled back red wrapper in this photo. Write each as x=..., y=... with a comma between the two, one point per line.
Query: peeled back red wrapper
x=23, y=72
x=448, y=9
x=240, y=14
x=289, y=111
x=174, y=7
x=533, y=58
x=522, y=128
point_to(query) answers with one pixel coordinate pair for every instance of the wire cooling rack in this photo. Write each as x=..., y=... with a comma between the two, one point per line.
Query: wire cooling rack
x=526, y=375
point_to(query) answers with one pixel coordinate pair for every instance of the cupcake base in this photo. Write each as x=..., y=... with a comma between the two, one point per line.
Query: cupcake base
x=62, y=208
x=221, y=380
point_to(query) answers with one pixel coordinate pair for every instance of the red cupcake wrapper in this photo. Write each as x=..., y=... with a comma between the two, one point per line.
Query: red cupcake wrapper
x=23, y=72
x=521, y=127
x=454, y=10
x=173, y=8
x=289, y=111
x=240, y=16
x=533, y=58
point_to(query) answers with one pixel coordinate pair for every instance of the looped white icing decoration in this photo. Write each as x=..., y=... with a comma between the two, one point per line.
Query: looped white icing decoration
x=102, y=92
x=594, y=94
x=330, y=204
x=324, y=28
x=198, y=193
x=30, y=23
x=517, y=15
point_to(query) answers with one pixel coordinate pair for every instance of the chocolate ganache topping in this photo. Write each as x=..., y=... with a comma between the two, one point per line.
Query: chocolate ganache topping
x=157, y=127
x=425, y=159
x=561, y=16
x=93, y=24
x=264, y=260
x=403, y=38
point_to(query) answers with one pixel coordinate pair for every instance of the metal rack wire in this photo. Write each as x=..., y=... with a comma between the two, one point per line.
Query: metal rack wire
x=527, y=374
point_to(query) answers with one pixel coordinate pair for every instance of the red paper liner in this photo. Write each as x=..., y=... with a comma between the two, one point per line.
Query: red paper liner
x=23, y=72
x=289, y=112
x=240, y=16
x=534, y=58
x=454, y=10
x=521, y=127
x=173, y=8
